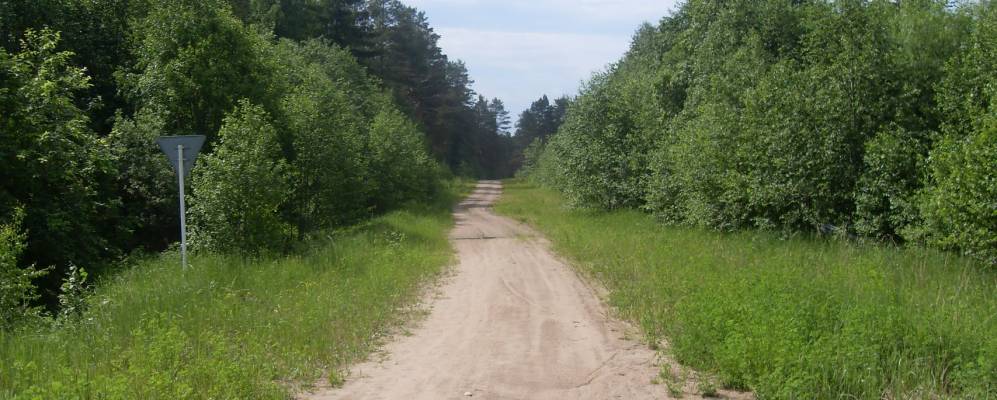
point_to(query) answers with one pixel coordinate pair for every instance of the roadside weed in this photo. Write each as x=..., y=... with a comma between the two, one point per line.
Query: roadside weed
x=787, y=317
x=233, y=327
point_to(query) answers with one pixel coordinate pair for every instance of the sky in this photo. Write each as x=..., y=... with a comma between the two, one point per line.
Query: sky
x=518, y=50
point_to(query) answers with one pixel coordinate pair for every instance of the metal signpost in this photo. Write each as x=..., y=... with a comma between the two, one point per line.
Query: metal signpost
x=182, y=152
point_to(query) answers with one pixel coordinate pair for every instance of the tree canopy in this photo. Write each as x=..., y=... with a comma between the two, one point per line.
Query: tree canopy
x=867, y=117
x=341, y=108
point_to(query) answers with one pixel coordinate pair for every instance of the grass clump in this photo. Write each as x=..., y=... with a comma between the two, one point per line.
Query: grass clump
x=233, y=327
x=787, y=317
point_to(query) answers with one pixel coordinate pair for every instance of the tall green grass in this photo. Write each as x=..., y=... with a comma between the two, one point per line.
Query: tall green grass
x=234, y=328
x=790, y=318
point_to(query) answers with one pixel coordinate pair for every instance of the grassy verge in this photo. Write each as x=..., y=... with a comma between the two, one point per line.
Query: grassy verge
x=787, y=318
x=234, y=328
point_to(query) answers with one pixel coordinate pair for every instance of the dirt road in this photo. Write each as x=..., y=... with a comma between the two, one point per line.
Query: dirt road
x=514, y=322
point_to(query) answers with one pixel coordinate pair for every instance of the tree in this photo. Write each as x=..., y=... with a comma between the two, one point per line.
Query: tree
x=873, y=117
x=340, y=21
x=536, y=125
x=401, y=169
x=194, y=62
x=491, y=144
x=95, y=32
x=280, y=79
x=959, y=206
x=957, y=203
x=52, y=162
x=326, y=136
x=241, y=190
x=502, y=120
x=541, y=120
x=397, y=45
x=144, y=183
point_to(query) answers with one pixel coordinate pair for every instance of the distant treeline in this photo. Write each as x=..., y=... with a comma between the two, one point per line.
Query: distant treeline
x=536, y=125
x=874, y=118
x=317, y=113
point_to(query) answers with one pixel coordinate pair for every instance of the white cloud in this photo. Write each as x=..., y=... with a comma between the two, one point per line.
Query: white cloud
x=522, y=51
x=518, y=50
x=518, y=67
x=625, y=10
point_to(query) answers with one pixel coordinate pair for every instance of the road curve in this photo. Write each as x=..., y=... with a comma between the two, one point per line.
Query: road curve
x=514, y=322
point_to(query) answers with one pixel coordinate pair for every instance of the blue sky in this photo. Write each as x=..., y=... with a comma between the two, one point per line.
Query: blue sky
x=517, y=50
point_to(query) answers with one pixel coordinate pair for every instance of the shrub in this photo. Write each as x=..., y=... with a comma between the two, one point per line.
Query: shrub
x=546, y=170
x=531, y=158
x=17, y=292
x=328, y=152
x=791, y=116
x=960, y=209
x=355, y=153
x=699, y=164
x=788, y=318
x=50, y=161
x=145, y=182
x=73, y=293
x=958, y=205
x=194, y=62
x=240, y=191
x=602, y=152
x=886, y=196
x=401, y=168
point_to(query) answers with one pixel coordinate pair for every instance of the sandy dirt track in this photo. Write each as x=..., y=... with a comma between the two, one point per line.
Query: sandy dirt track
x=514, y=322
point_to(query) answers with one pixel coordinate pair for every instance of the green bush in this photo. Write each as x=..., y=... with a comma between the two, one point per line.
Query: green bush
x=242, y=189
x=531, y=158
x=886, y=198
x=969, y=88
x=696, y=179
x=960, y=209
x=355, y=153
x=328, y=145
x=194, y=62
x=958, y=204
x=603, y=155
x=17, y=291
x=798, y=117
x=145, y=182
x=51, y=163
x=546, y=171
x=401, y=169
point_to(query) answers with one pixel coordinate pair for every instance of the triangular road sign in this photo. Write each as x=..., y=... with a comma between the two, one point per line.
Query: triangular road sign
x=191, y=146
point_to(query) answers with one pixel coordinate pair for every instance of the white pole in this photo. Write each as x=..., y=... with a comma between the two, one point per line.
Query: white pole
x=183, y=211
